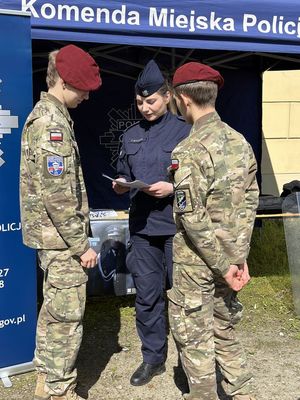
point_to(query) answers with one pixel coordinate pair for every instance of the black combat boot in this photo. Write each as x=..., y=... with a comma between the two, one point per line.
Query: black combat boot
x=146, y=372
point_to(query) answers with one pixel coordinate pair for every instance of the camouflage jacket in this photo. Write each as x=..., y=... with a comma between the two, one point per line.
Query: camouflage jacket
x=54, y=207
x=216, y=196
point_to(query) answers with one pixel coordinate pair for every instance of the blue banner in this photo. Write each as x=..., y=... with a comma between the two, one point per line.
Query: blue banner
x=17, y=263
x=248, y=25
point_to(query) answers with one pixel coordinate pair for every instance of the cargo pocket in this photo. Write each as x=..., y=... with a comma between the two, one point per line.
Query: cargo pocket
x=66, y=305
x=63, y=269
x=185, y=316
x=177, y=322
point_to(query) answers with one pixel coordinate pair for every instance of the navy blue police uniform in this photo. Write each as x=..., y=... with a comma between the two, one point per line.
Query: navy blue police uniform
x=146, y=155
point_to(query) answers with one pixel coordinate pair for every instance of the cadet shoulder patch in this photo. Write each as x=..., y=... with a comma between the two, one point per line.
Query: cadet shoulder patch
x=55, y=165
x=183, y=201
x=180, y=197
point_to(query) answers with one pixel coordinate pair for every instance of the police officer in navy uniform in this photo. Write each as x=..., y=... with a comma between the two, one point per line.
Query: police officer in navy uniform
x=146, y=155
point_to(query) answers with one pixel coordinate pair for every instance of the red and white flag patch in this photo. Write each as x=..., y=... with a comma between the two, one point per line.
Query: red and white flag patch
x=174, y=164
x=56, y=136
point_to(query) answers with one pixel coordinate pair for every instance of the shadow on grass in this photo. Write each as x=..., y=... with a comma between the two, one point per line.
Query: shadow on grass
x=100, y=338
x=268, y=254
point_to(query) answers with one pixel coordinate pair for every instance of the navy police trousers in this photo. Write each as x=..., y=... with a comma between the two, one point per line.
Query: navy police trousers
x=150, y=262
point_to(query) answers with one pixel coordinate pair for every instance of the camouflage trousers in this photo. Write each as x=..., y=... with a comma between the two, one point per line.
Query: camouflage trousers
x=59, y=328
x=202, y=314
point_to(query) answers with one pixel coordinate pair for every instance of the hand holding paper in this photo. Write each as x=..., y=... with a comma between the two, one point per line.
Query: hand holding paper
x=137, y=184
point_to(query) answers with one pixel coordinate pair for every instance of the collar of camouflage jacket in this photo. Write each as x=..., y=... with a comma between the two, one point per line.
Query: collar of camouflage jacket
x=205, y=120
x=63, y=109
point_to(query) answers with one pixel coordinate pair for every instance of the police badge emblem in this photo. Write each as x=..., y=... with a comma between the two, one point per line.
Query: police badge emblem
x=55, y=165
x=180, y=199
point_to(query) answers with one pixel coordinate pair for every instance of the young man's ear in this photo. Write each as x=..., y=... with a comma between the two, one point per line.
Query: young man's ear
x=186, y=100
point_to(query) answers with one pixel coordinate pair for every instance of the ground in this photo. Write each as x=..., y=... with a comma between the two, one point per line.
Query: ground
x=110, y=353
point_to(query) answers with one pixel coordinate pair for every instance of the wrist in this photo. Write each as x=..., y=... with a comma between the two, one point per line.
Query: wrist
x=171, y=189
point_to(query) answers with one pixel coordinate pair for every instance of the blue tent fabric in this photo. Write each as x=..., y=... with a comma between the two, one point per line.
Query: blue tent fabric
x=248, y=25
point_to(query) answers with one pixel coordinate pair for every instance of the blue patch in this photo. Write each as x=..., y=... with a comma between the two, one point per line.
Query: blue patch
x=181, y=199
x=55, y=165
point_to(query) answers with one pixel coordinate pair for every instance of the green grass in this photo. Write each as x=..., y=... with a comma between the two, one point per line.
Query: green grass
x=268, y=298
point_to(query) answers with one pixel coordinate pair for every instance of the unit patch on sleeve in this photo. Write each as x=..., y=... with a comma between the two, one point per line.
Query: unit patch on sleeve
x=183, y=201
x=55, y=165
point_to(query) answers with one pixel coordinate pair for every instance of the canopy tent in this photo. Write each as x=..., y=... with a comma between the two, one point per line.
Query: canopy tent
x=248, y=25
x=240, y=38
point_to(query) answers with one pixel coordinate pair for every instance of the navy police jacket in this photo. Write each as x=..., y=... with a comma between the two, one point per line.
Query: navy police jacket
x=146, y=155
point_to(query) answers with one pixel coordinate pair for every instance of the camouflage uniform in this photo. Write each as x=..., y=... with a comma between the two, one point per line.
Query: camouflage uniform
x=216, y=197
x=54, y=213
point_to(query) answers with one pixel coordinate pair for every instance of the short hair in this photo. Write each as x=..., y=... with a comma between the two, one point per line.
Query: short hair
x=203, y=93
x=52, y=74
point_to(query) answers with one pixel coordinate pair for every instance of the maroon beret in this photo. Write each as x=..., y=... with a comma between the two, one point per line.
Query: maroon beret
x=194, y=71
x=77, y=68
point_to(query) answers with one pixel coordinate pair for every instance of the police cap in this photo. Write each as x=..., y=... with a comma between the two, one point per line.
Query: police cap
x=77, y=68
x=195, y=71
x=149, y=80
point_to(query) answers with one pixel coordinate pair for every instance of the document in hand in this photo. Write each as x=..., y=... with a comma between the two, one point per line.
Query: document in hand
x=137, y=184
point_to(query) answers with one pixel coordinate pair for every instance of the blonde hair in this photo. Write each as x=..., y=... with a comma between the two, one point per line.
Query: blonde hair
x=52, y=74
x=166, y=87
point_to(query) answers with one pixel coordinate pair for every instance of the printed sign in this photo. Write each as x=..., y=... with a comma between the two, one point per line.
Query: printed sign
x=17, y=262
x=232, y=25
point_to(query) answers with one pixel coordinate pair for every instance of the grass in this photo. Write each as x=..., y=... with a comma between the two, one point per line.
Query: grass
x=268, y=298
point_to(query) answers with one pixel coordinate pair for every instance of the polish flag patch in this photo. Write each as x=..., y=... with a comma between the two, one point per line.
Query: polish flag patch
x=56, y=136
x=174, y=164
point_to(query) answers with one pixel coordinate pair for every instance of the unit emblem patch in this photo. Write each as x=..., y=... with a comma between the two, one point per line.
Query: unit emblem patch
x=55, y=165
x=180, y=199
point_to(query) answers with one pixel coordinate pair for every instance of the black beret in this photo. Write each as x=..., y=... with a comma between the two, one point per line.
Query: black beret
x=149, y=80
